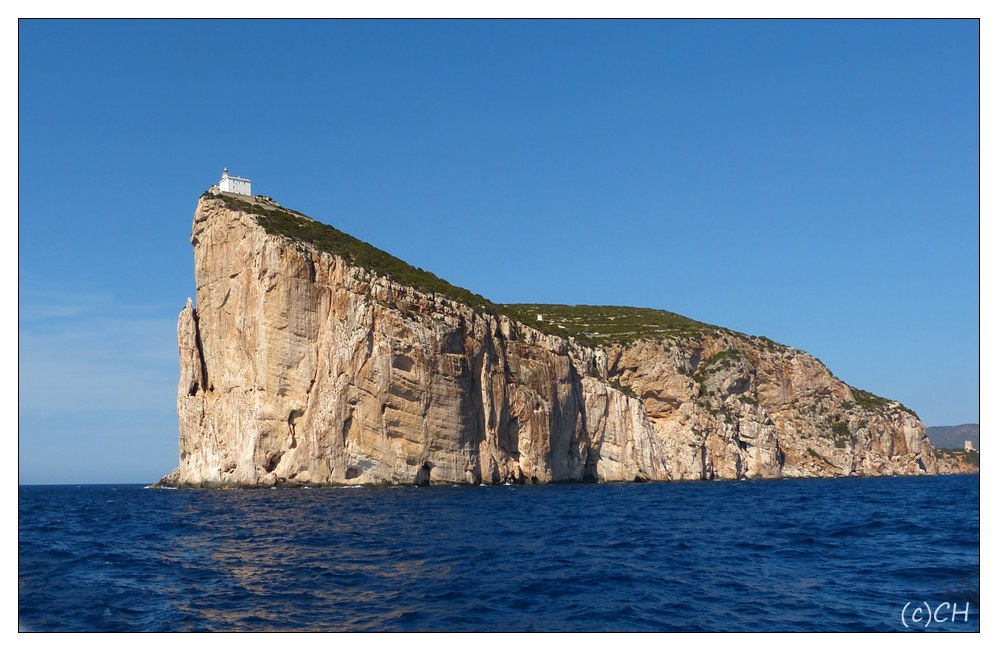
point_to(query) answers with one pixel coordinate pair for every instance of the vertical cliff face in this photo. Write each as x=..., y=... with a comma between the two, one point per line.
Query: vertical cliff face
x=300, y=368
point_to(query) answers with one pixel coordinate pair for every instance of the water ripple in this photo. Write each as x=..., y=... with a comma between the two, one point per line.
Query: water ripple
x=797, y=555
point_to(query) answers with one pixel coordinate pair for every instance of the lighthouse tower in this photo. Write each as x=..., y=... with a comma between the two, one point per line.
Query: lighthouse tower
x=234, y=184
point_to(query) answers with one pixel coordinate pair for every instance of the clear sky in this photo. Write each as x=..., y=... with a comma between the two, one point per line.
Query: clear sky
x=814, y=182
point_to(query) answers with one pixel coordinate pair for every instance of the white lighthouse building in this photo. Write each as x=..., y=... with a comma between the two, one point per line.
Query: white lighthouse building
x=234, y=184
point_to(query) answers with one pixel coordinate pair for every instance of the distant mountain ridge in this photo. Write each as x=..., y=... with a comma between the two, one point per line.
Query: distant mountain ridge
x=953, y=436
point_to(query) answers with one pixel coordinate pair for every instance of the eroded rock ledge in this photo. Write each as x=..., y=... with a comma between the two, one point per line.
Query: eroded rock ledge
x=298, y=368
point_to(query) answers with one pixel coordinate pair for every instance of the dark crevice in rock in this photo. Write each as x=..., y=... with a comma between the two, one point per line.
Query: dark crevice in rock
x=423, y=476
x=292, y=417
x=272, y=461
x=206, y=385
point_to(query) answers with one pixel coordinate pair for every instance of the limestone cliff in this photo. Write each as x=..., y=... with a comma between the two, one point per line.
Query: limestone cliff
x=301, y=365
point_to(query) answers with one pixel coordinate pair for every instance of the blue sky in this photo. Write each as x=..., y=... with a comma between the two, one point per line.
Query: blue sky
x=814, y=182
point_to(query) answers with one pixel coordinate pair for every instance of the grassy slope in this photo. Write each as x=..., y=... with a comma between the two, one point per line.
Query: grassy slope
x=591, y=325
x=298, y=227
x=588, y=324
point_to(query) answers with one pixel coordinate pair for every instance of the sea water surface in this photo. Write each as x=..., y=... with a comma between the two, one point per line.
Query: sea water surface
x=783, y=555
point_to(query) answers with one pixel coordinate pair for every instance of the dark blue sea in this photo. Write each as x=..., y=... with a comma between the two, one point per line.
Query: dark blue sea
x=784, y=555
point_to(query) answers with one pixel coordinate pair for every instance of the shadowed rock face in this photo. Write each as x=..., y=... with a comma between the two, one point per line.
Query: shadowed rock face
x=297, y=368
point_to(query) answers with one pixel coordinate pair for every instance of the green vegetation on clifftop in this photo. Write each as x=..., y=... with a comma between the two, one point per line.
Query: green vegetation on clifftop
x=296, y=226
x=876, y=404
x=588, y=324
x=607, y=324
x=971, y=457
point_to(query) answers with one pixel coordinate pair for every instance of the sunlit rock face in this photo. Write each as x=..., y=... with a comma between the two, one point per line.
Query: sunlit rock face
x=297, y=368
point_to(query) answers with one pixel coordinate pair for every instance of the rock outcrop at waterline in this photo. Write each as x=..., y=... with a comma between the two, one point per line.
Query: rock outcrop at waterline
x=299, y=367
